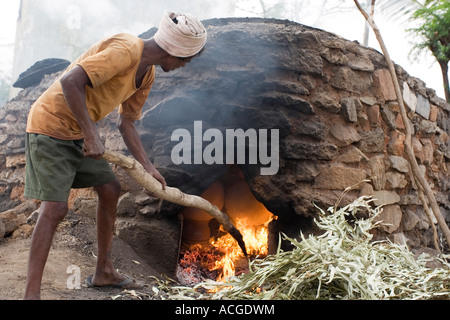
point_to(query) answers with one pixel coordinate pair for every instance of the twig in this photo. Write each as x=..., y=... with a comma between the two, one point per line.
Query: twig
x=408, y=146
x=430, y=218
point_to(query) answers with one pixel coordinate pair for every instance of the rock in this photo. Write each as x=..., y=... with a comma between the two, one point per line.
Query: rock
x=378, y=172
x=409, y=220
x=395, y=180
x=301, y=150
x=325, y=101
x=338, y=178
x=428, y=151
x=126, y=205
x=311, y=128
x=85, y=206
x=24, y=231
x=370, y=101
x=15, y=161
x=345, y=78
x=373, y=113
x=409, y=97
x=354, y=155
x=349, y=109
x=423, y=107
x=385, y=197
x=36, y=72
x=396, y=145
x=319, y=90
x=372, y=141
x=391, y=217
x=388, y=117
x=345, y=135
x=399, y=163
x=382, y=82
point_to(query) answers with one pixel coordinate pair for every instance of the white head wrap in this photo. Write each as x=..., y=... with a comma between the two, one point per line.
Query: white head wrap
x=183, y=39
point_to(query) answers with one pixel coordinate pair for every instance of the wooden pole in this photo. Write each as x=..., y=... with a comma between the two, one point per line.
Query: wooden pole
x=175, y=195
x=420, y=178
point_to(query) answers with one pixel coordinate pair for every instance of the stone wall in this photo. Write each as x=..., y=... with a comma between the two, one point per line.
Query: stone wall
x=332, y=101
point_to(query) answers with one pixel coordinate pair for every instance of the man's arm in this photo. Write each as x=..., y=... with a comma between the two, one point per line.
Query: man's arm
x=134, y=145
x=73, y=86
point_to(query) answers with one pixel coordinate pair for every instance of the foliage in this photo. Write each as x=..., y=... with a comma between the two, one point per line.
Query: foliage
x=433, y=33
x=342, y=263
x=434, y=29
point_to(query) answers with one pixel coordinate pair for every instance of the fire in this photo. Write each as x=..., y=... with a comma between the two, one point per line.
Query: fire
x=222, y=257
x=255, y=238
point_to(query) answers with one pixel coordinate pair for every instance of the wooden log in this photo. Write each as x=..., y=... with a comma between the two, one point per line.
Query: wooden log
x=174, y=195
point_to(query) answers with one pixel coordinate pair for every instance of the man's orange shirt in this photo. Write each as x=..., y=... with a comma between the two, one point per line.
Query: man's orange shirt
x=111, y=66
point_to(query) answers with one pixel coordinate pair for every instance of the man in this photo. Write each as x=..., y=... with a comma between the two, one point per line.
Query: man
x=64, y=150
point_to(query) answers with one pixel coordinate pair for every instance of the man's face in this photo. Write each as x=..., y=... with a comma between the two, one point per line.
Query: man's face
x=172, y=63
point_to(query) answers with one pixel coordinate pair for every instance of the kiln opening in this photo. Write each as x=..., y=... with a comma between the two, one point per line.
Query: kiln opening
x=207, y=252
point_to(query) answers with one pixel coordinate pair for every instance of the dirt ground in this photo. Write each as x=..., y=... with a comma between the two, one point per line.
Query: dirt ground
x=74, y=245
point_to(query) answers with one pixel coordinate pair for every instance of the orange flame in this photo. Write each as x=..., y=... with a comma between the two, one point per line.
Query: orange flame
x=255, y=238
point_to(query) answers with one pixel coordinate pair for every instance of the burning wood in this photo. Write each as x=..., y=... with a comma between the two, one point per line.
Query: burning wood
x=136, y=171
x=222, y=258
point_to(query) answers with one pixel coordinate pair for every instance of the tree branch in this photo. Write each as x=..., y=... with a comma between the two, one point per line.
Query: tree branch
x=408, y=146
x=175, y=195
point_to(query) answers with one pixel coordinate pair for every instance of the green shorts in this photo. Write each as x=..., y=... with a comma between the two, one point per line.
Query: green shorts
x=54, y=166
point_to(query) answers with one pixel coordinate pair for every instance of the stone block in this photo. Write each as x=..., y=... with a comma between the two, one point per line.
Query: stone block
x=373, y=113
x=428, y=151
x=409, y=220
x=391, y=216
x=396, y=144
x=395, y=180
x=378, y=172
x=399, y=163
x=85, y=206
x=382, y=82
x=344, y=135
x=302, y=150
x=423, y=107
x=354, y=155
x=385, y=197
x=15, y=161
x=434, y=110
x=388, y=117
x=326, y=101
x=349, y=109
x=338, y=177
x=372, y=141
x=409, y=97
x=345, y=78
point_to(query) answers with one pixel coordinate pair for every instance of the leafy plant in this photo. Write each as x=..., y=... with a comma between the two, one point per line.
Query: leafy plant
x=342, y=263
x=433, y=33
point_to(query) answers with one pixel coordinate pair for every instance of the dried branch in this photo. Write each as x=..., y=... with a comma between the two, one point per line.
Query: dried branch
x=175, y=195
x=419, y=177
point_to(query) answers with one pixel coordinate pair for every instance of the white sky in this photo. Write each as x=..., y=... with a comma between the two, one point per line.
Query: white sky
x=348, y=24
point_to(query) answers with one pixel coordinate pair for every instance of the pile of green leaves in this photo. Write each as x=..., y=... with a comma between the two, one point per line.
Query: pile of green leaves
x=341, y=263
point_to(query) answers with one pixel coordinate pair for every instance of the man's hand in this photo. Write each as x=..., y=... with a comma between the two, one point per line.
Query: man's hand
x=93, y=147
x=155, y=173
